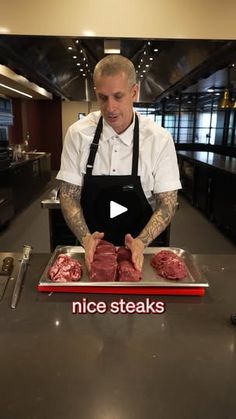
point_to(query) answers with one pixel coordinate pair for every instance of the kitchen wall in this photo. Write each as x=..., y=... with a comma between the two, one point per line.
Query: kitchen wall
x=212, y=19
x=42, y=120
x=70, y=111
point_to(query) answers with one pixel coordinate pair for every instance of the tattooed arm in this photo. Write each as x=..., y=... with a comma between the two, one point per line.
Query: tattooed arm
x=72, y=211
x=165, y=209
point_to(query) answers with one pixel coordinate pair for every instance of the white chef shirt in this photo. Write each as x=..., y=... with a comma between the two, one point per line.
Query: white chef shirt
x=157, y=166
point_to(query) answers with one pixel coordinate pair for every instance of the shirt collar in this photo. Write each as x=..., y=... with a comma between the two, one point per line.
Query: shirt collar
x=126, y=137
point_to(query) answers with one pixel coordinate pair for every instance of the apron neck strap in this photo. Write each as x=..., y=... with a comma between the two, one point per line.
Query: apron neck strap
x=94, y=147
x=135, y=147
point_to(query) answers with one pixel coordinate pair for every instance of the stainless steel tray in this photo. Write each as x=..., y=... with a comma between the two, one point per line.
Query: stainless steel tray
x=195, y=278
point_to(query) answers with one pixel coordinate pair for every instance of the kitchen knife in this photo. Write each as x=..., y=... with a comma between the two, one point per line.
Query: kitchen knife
x=5, y=273
x=20, y=277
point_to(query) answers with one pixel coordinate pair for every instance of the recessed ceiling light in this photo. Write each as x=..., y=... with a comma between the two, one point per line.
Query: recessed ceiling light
x=78, y=64
x=81, y=69
x=144, y=71
x=146, y=65
x=74, y=56
x=155, y=50
x=151, y=59
x=70, y=48
x=77, y=41
x=141, y=75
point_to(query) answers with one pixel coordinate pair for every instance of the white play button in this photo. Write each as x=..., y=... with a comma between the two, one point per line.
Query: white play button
x=116, y=209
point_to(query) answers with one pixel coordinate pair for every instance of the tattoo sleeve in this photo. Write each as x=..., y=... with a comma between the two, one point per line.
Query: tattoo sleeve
x=166, y=203
x=70, y=205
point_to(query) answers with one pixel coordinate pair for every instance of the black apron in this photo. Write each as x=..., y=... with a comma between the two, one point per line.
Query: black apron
x=99, y=191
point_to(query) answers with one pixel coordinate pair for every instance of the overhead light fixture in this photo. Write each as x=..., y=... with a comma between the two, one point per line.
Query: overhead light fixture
x=112, y=46
x=226, y=102
x=15, y=90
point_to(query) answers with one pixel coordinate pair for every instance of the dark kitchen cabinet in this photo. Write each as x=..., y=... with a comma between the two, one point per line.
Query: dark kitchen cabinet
x=224, y=202
x=209, y=182
x=25, y=179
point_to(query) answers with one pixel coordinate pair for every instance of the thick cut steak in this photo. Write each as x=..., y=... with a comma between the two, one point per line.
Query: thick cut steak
x=104, y=265
x=127, y=272
x=123, y=254
x=169, y=265
x=65, y=269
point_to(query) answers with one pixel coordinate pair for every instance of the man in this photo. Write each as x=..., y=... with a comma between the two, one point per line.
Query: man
x=116, y=155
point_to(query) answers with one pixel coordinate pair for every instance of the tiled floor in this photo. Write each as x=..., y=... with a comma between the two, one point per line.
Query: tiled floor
x=190, y=230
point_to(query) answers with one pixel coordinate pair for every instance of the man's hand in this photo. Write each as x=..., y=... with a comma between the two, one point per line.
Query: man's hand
x=90, y=242
x=136, y=247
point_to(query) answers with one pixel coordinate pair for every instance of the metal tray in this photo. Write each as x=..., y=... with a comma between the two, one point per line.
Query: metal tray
x=195, y=278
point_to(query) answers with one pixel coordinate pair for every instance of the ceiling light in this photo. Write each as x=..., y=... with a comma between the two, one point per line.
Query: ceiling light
x=81, y=69
x=70, y=48
x=210, y=90
x=141, y=75
x=74, y=56
x=155, y=50
x=78, y=64
x=151, y=59
x=146, y=65
x=112, y=46
x=15, y=90
x=77, y=41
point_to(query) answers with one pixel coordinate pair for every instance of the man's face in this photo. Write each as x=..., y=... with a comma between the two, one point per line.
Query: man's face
x=115, y=98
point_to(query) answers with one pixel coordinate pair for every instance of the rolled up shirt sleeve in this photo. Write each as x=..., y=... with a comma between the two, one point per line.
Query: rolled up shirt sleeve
x=70, y=170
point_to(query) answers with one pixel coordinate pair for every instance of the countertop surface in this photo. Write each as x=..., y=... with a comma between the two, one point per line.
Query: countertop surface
x=218, y=161
x=179, y=364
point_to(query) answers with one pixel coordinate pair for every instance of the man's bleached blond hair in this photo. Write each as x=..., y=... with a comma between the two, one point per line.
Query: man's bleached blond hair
x=112, y=65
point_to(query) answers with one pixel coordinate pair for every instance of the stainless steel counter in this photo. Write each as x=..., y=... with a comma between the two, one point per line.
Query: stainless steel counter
x=180, y=364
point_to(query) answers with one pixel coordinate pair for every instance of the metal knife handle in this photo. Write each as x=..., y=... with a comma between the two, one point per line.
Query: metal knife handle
x=23, y=266
x=18, y=284
x=27, y=251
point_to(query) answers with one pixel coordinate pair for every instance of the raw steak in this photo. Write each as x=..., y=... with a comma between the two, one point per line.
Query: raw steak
x=105, y=247
x=169, y=265
x=65, y=269
x=123, y=254
x=104, y=265
x=127, y=272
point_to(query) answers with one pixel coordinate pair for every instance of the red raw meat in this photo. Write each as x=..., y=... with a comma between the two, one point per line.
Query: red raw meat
x=169, y=265
x=104, y=265
x=123, y=254
x=102, y=271
x=127, y=272
x=65, y=269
